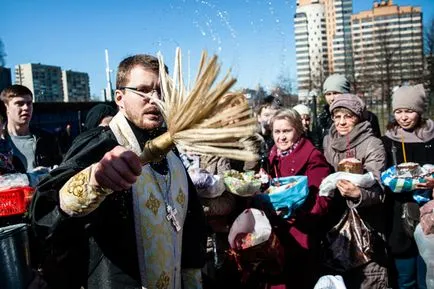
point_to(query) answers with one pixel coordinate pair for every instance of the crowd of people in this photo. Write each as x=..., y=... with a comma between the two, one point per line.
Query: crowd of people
x=103, y=219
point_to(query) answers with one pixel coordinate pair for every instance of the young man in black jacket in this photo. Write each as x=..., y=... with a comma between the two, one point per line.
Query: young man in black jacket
x=32, y=147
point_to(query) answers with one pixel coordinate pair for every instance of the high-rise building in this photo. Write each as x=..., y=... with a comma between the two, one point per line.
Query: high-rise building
x=387, y=47
x=339, y=50
x=5, y=77
x=323, y=42
x=45, y=81
x=310, y=46
x=75, y=86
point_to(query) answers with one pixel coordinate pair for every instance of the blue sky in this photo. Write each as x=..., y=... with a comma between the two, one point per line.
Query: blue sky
x=253, y=38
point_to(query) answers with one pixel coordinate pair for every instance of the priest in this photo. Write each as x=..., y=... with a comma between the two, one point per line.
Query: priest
x=107, y=221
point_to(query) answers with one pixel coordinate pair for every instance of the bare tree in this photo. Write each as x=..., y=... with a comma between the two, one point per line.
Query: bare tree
x=283, y=89
x=380, y=69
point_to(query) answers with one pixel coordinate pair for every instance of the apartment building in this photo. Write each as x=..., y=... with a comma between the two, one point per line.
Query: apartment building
x=75, y=86
x=339, y=44
x=50, y=84
x=387, y=47
x=323, y=42
x=45, y=81
x=310, y=46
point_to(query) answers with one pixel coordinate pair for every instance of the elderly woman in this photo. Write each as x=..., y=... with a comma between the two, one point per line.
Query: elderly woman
x=417, y=134
x=351, y=136
x=292, y=155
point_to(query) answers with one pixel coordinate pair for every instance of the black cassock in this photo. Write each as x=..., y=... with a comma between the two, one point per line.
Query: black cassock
x=99, y=250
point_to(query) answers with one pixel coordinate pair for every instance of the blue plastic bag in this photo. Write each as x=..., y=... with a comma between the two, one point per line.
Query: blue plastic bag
x=397, y=184
x=287, y=199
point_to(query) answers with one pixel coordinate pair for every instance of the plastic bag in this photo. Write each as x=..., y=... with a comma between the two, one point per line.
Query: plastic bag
x=9, y=181
x=427, y=217
x=398, y=184
x=286, y=198
x=349, y=244
x=37, y=174
x=207, y=185
x=330, y=282
x=328, y=185
x=251, y=221
x=255, y=249
x=242, y=184
x=425, y=244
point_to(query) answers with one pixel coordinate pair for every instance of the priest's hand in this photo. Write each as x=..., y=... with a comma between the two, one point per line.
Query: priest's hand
x=117, y=170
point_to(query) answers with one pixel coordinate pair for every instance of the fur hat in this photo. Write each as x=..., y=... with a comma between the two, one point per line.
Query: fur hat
x=351, y=102
x=410, y=97
x=336, y=82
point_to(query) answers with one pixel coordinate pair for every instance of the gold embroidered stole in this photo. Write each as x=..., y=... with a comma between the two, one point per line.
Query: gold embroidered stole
x=158, y=244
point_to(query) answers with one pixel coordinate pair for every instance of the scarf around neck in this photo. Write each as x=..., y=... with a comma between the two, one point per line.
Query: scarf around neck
x=422, y=135
x=359, y=134
x=284, y=153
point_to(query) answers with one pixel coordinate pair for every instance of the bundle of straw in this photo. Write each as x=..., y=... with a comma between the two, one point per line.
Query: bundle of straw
x=206, y=120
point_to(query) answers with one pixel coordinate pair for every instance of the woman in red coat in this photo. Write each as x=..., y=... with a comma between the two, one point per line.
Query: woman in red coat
x=293, y=154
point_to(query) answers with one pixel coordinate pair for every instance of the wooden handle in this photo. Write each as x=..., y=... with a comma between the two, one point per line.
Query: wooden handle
x=156, y=148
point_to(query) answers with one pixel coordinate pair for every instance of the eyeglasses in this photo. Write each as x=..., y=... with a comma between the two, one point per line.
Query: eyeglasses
x=346, y=117
x=145, y=91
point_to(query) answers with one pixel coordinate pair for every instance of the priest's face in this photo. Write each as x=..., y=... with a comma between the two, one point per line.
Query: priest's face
x=135, y=99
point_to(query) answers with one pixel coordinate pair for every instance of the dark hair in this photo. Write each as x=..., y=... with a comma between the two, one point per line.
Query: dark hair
x=14, y=91
x=148, y=62
x=269, y=101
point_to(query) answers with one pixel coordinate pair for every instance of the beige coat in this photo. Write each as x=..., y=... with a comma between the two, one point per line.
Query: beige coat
x=361, y=144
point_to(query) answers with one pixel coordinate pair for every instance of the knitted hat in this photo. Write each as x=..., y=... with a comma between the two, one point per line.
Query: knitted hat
x=337, y=83
x=410, y=97
x=302, y=109
x=351, y=102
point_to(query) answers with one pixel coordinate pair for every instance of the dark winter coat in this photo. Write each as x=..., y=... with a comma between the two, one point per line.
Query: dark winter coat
x=402, y=245
x=47, y=150
x=99, y=248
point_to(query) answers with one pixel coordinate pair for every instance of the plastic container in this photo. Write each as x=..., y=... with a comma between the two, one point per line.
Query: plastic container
x=15, y=270
x=425, y=243
x=15, y=201
x=8, y=181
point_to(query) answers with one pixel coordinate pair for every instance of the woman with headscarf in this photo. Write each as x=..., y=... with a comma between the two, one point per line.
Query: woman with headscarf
x=416, y=133
x=351, y=136
x=100, y=114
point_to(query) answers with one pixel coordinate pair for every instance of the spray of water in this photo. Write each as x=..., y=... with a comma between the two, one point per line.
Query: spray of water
x=265, y=26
